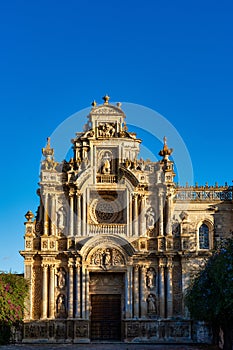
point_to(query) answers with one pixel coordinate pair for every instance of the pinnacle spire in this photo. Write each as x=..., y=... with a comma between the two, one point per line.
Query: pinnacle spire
x=165, y=152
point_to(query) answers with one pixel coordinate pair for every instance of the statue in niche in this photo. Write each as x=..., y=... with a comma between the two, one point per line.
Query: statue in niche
x=150, y=278
x=150, y=218
x=151, y=304
x=61, y=278
x=61, y=306
x=61, y=218
x=106, y=169
x=106, y=258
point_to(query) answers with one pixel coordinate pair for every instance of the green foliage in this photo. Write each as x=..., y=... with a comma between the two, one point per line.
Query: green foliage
x=210, y=295
x=13, y=290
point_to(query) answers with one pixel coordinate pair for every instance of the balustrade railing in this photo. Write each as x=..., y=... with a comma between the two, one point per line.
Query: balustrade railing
x=204, y=194
x=106, y=178
x=107, y=229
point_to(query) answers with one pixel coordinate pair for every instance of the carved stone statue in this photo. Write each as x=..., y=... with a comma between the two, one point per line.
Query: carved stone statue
x=61, y=278
x=151, y=304
x=61, y=218
x=150, y=278
x=61, y=306
x=106, y=257
x=150, y=218
x=106, y=169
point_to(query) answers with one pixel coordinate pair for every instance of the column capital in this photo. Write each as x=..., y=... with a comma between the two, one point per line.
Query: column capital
x=78, y=262
x=70, y=263
x=162, y=262
x=170, y=264
x=71, y=192
x=144, y=267
x=45, y=265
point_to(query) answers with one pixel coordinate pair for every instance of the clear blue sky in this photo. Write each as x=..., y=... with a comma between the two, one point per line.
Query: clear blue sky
x=175, y=57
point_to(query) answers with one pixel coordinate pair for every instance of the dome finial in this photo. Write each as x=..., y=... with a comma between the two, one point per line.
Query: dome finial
x=106, y=98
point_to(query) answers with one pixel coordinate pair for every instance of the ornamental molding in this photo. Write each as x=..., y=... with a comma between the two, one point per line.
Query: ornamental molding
x=107, y=110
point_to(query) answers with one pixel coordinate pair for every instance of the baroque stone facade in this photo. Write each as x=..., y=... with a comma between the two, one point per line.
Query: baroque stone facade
x=115, y=241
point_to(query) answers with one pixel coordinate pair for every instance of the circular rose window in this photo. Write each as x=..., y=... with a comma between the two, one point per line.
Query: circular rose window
x=105, y=210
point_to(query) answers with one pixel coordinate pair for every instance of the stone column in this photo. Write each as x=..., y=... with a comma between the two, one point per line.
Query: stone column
x=83, y=291
x=87, y=295
x=29, y=273
x=128, y=292
x=71, y=289
x=161, y=214
x=169, y=288
x=185, y=283
x=142, y=227
x=130, y=277
x=71, y=214
x=169, y=215
x=53, y=210
x=46, y=215
x=78, y=292
x=129, y=215
x=45, y=291
x=79, y=213
x=51, y=292
x=161, y=287
x=135, y=215
x=136, y=291
x=84, y=205
x=143, y=292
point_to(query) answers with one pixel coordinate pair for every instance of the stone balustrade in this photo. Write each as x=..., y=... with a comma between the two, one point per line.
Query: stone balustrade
x=118, y=229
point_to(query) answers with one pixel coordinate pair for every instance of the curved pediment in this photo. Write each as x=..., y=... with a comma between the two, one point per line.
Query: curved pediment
x=106, y=110
x=129, y=176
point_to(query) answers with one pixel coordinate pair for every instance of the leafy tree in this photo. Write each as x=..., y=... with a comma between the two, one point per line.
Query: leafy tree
x=13, y=290
x=210, y=294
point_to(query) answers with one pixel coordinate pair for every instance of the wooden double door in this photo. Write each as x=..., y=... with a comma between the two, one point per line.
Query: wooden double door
x=106, y=317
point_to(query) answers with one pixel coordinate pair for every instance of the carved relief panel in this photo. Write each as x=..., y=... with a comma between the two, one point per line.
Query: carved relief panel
x=106, y=258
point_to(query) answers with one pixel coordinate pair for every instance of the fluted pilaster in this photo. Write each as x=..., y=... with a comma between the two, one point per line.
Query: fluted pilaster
x=162, y=265
x=45, y=291
x=71, y=289
x=136, y=291
x=169, y=288
x=52, y=292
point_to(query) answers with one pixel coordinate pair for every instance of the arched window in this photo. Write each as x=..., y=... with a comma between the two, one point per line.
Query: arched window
x=204, y=242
